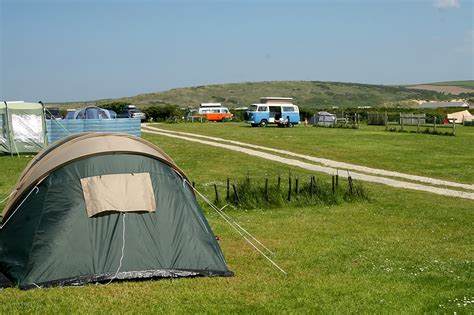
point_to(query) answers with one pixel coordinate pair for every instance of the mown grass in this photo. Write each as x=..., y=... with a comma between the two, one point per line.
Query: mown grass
x=400, y=252
x=442, y=157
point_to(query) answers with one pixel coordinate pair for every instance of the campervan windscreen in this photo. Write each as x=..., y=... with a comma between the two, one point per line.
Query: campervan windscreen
x=253, y=108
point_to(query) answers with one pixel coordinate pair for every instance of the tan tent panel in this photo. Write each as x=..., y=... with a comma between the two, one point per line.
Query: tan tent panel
x=110, y=192
x=79, y=146
x=459, y=116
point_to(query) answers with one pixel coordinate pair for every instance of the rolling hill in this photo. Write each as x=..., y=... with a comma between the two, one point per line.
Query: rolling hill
x=309, y=94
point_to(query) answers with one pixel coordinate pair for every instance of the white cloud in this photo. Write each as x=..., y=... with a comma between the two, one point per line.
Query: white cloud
x=446, y=4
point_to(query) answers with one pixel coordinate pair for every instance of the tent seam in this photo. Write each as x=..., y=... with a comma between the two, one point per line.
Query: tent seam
x=35, y=234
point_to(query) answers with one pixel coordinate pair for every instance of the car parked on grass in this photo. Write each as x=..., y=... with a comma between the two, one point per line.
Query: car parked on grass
x=131, y=111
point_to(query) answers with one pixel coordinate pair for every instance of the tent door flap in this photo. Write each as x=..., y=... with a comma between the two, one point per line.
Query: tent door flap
x=132, y=192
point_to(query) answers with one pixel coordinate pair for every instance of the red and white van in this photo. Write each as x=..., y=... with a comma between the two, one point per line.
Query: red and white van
x=215, y=111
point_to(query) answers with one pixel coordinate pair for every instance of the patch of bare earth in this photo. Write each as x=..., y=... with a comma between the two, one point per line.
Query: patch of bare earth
x=455, y=90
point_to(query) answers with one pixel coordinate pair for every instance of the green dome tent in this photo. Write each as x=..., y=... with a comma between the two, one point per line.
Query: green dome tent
x=97, y=207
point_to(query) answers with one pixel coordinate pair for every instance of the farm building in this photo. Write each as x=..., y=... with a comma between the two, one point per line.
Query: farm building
x=435, y=105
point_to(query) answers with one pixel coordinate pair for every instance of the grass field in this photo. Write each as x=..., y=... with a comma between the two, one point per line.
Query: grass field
x=443, y=157
x=400, y=252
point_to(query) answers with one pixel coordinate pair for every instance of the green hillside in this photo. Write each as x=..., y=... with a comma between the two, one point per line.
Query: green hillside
x=309, y=94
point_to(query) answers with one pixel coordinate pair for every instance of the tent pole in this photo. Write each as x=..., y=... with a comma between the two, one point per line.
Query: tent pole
x=45, y=134
x=7, y=120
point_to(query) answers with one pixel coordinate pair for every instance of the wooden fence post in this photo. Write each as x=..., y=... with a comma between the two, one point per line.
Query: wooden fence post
x=266, y=190
x=296, y=185
x=228, y=188
x=217, y=193
x=289, y=188
x=333, y=184
x=236, y=194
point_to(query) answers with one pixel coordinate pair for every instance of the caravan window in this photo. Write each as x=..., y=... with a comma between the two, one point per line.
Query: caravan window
x=27, y=128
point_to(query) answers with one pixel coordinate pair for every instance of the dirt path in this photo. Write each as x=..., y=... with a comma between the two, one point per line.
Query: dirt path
x=239, y=147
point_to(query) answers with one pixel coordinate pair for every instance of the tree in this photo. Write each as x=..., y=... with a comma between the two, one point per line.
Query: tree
x=162, y=113
x=115, y=106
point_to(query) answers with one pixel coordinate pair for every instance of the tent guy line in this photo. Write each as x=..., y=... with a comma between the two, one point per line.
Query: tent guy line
x=327, y=162
x=239, y=230
x=317, y=168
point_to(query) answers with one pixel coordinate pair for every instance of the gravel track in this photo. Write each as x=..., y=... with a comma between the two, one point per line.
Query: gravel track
x=328, y=166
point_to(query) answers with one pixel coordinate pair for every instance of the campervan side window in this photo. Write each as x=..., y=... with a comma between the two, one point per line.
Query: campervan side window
x=288, y=109
x=262, y=109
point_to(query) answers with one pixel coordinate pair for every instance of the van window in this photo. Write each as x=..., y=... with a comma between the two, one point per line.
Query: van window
x=288, y=109
x=262, y=109
x=253, y=108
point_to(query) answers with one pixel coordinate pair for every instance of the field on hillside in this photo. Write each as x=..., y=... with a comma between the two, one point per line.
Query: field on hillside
x=307, y=94
x=454, y=90
x=467, y=83
x=400, y=252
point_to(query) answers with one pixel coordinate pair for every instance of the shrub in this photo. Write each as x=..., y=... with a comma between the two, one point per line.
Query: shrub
x=163, y=113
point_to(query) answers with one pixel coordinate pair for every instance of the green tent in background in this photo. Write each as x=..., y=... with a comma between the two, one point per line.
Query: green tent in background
x=97, y=207
x=22, y=127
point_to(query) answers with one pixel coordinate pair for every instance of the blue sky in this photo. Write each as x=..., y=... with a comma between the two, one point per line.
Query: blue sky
x=67, y=50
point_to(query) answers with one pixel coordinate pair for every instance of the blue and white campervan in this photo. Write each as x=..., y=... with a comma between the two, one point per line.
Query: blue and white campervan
x=273, y=110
